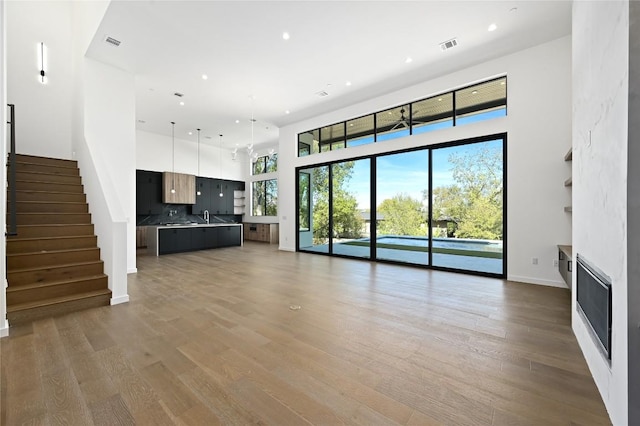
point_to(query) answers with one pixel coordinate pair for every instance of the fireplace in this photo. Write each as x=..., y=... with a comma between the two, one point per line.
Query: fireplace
x=594, y=302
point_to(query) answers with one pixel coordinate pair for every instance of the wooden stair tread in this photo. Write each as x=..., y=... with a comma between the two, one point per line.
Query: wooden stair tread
x=53, y=264
x=52, y=283
x=51, y=213
x=62, y=237
x=50, y=202
x=38, y=159
x=62, y=166
x=50, y=252
x=57, y=300
x=45, y=182
x=38, y=191
x=42, y=225
x=61, y=265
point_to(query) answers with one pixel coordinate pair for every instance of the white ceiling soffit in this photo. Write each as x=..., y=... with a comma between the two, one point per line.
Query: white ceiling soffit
x=239, y=45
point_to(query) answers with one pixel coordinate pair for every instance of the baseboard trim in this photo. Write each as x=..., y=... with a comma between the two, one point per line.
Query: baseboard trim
x=282, y=248
x=4, y=330
x=132, y=271
x=537, y=281
x=120, y=299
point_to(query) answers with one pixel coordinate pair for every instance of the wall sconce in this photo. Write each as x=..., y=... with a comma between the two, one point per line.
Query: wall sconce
x=42, y=62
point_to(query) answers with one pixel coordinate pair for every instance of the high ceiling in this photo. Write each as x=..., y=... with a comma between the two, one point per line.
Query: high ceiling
x=252, y=70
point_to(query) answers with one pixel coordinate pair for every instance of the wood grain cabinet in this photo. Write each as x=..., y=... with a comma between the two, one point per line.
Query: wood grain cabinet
x=184, y=185
x=263, y=232
x=141, y=236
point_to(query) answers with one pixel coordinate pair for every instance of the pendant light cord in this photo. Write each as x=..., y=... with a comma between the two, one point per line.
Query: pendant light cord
x=173, y=155
x=198, y=151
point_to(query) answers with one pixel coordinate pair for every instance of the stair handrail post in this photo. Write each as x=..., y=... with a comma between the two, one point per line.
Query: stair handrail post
x=12, y=172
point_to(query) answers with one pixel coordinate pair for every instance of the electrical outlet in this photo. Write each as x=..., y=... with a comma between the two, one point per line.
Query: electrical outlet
x=534, y=260
x=555, y=263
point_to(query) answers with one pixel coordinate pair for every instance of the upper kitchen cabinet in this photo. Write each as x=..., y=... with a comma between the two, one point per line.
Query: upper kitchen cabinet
x=148, y=192
x=203, y=201
x=184, y=186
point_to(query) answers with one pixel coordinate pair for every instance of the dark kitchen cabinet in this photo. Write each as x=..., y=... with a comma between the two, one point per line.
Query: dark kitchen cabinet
x=228, y=236
x=220, y=204
x=148, y=192
x=211, y=238
x=174, y=240
x=210, y=198
x=204, y=238
x=167, y=241
x=203, y=201
x=181, y=239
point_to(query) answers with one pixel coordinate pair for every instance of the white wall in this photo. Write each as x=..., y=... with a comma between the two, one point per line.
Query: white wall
x=43, y=111
x=109, y=123
x=600, y=111
x=539, y=134
x=154, y=152
x=4, y=324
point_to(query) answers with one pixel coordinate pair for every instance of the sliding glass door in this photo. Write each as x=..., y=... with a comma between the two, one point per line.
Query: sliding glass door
x=313, y=209
x=467, y=214
x=351, y=189
x=402, y=190
x=440, y=206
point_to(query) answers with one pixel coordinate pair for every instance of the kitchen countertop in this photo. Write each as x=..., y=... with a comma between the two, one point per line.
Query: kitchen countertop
x=193, y=225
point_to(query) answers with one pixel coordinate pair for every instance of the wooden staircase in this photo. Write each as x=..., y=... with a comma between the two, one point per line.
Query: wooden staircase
x=53, y=264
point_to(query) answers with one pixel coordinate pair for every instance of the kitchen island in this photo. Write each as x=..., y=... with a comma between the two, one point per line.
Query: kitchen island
x=178, y=238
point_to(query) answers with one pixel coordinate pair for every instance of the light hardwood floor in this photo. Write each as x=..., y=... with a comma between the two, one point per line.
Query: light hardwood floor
x=209, y=338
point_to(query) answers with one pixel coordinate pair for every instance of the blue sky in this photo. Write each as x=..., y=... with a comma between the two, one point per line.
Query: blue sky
x=406, y=173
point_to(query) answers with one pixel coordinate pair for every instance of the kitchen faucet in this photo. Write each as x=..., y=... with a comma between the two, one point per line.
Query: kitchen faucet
x=206, y=216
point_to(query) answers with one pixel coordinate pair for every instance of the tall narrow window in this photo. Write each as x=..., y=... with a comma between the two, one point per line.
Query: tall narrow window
x=264, y=196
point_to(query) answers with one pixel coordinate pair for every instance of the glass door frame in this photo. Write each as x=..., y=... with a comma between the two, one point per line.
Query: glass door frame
x=373, y=197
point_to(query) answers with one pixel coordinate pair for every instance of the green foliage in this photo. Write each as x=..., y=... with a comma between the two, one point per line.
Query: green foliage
x=346, y=219
x=474, y=202
x=402, y=216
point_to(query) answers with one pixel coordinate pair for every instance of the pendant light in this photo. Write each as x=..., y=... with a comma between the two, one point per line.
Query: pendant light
x=220, y=164
x=198, y=191
x=173, y=158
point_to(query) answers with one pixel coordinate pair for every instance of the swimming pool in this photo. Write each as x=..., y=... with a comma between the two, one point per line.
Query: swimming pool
x=452, y=243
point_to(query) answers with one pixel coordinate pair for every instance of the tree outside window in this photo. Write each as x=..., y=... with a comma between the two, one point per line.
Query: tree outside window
x=265, y=198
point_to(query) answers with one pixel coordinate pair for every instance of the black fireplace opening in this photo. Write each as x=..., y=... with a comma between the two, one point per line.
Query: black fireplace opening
x=594, y=302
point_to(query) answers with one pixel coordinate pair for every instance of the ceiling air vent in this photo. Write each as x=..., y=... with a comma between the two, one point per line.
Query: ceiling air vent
x=112, y=41
x=178, y=94
x=322, y=93
x=446, y=45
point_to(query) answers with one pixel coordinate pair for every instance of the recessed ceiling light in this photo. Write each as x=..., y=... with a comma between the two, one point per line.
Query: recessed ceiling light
x=287, y=112
x=439, y=99
x=285, y=36
x=348, y=83
x=408, y=60
x=181, y=103
x=492, y=27
x=204, y=76
x=502, y=83
x=190, y=133
x=475, y=92
x=237, y=121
